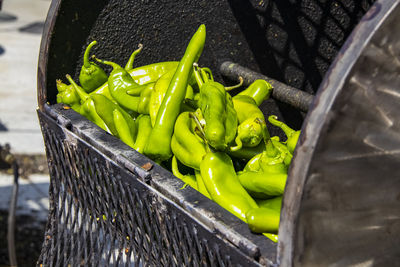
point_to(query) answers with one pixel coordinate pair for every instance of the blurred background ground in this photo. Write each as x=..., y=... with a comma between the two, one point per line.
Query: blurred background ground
x=21, y=24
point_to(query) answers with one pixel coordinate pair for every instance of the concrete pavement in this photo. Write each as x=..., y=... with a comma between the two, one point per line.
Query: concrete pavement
x=21, y=24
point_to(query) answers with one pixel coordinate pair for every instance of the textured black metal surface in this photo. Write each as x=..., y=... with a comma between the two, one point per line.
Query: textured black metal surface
x=342, y=196
x=102, y=215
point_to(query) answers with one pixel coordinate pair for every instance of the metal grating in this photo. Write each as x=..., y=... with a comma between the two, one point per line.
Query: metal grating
x=102, y=215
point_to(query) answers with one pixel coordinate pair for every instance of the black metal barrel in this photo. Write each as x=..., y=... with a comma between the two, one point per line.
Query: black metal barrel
x=334, y=67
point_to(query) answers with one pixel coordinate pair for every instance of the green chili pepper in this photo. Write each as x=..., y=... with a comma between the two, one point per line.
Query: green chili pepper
x=143, y=101
x=67, y=95
x=105, y=109
x=144, y=128
x=87, y=109
x=186, y=146
x=142, y=75
x=263, y=220
x=217, y=110
x=158, y=146
x=271, y=203
x=247, y=153
x=91, y=76
x=201, y=187
x=160, y=88
x=187, y=179
x=223, y=185
x=259, y=90
x=292, y=135
x=123, y=129
x=250, y=131
x=119, y=83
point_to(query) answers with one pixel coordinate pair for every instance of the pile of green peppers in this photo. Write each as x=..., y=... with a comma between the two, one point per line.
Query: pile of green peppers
x=176, y=114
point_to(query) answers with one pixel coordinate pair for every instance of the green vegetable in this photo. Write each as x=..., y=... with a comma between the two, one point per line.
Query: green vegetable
x=223, y=185
x=91, y=76
x=220, y=118
x=105, y=108
x=160, y=88
x=87, y=109
x=142, y=75
x=250, y=130
x=158, y=146
x=68, y=95
x=292, y=135
x=144, y=128
x=263, y=220
x=259, y=90
x=120, y=83
x=185, y=144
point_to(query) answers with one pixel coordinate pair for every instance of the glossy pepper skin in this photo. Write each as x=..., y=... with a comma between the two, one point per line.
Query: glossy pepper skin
x=217, y=110
x=87, y=109
x=67, y=95
x=263, y=220
x=259, y=90
x=105, y=108
x=265, y=175
x=250, y=130
x=185, y=144
x=142, y=75
x=223, y=185
x=158, y=146
x=119, y=83
x=292, y=135
x=143, y=128
x=160, y=88
x=92, y=75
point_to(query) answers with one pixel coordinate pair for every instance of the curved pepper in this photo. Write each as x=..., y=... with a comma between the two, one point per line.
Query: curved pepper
x=292, y=135
x=88, y=109
x=259, y=90
x=186, y=146
x=105, y=109
x=217, y=110
x=271, y=203
x=263, y=220
x=158, y=147
x=201, y=187
x=160, y=88
x=265, y=175
x=67, y=95
x=187, y=179
x=142, y=75
x=123, y=128
x=119, y=83
x=143, y=128
x=250, y=131
x=223, y=185
x=92, y=75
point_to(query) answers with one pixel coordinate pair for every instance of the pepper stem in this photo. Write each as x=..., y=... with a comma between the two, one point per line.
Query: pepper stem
x=239, y=144
x=129, y=64
x=86, y=62
x=197, y=75
x=273, y=119
x=201, y=130
x=229, y=88
x=110, y=63
x=82, y=94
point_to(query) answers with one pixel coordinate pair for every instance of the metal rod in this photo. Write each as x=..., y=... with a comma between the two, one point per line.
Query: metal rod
x=11, y=218
x=282, y=92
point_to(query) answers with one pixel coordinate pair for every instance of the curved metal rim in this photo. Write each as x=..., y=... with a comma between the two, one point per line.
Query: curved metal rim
x=318, y=117
x=43, y=52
